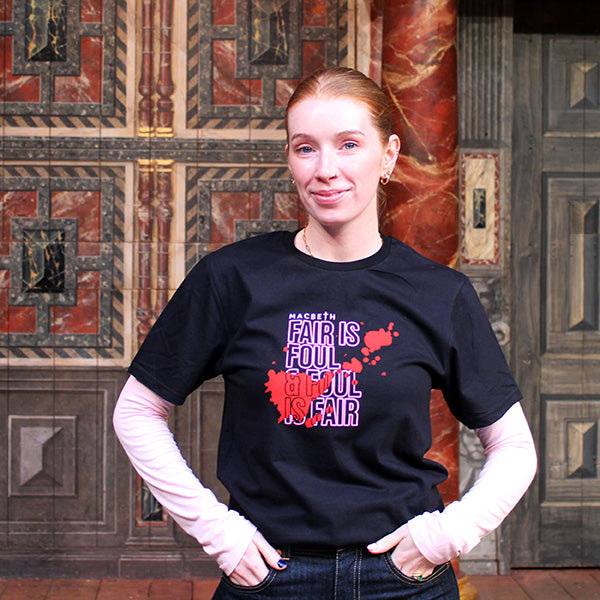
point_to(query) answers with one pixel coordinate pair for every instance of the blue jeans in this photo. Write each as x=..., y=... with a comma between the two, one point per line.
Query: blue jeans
x=347, y=574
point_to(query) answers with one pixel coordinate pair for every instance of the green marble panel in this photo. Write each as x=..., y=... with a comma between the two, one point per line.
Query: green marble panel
x=46, y=30
x=43, y=261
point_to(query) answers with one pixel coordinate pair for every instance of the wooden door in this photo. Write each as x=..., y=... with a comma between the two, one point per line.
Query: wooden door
x=556, y=269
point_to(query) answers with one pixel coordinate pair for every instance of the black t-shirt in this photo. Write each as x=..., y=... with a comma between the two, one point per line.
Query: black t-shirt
x=328, y=371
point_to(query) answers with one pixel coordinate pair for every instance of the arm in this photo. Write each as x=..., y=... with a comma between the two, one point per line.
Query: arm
x=434, y=538
x=140, y=421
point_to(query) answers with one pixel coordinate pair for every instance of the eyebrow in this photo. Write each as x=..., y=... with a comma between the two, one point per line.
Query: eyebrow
x=346, y=133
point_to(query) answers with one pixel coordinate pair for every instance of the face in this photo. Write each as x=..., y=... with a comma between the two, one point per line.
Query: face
x=336, y=157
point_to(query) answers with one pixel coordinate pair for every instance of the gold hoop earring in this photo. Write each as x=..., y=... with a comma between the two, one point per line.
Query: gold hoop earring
x=292, y=181
x=385, y=179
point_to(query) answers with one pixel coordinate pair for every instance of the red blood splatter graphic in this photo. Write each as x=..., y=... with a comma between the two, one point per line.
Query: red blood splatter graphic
x=293, y=393
x=353, y=365
x=375, y=340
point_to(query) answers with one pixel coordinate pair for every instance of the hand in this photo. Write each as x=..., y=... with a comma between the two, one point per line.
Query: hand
x=406, y=555
x=255, y=562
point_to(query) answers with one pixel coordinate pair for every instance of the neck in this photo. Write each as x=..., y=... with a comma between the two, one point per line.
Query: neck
x=338, y=245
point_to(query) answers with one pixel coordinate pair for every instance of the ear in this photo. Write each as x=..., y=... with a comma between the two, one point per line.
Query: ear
x=391, y=152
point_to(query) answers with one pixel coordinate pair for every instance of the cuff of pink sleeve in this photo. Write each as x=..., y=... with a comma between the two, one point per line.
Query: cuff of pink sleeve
x=440, y=537
x=227, y=546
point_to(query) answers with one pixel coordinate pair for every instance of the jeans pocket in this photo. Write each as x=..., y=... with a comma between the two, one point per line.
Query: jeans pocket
x=437, y=571
x=252, y=589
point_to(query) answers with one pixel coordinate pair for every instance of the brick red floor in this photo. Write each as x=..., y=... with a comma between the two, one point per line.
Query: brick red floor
x=543, y=584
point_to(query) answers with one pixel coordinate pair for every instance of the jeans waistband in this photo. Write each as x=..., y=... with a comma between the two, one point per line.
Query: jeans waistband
x=319, y=551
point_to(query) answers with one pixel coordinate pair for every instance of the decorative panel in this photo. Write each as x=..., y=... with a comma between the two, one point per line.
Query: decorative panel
x=572, y=81
x=231, y=203
x=245, y=57
x=480, y=209
x=571, y=274
x=65, y=64
x=569, y=464
x=42, y=455
x=61, y=263
x=63, y=478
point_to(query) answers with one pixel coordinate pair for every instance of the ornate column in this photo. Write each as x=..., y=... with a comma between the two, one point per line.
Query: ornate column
x=419, y=75
x=146, y=85
x=165, y=87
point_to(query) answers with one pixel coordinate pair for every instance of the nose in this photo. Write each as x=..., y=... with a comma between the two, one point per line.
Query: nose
x=327, y=165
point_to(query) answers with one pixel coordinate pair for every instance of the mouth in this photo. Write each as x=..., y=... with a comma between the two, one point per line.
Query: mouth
x=328, y=196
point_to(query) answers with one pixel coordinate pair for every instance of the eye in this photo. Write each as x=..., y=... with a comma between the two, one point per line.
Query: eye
x=350, y=145
x=304, y=149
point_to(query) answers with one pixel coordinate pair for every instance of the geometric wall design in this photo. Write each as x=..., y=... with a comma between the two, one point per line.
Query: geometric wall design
x=229, y=204
x=572, y=95
x=570, y=278
x=63, y=478
x=245, y=58
x=61, y=262
x=42, y=455
x=64, y=63
x=570, y=471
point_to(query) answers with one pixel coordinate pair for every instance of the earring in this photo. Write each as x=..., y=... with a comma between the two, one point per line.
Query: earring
x=385, y=179
x=292, y=181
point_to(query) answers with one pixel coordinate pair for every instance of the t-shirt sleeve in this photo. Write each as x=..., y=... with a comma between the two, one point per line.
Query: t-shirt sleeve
x=478, y=385
x=185, y=345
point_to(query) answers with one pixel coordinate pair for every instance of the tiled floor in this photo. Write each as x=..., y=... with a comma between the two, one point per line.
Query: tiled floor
x=568, y=584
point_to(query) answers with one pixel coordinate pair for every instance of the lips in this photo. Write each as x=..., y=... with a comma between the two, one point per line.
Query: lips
x=328, y=196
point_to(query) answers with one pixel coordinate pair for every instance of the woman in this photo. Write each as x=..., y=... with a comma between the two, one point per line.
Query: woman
x=330, y=340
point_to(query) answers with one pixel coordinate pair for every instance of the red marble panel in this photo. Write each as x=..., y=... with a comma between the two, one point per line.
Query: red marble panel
x=227, y=90
x=314, y=13
x=223, y=12
x=86, y=87
x=445, y=449
x=287, y=208
x=419, y=74
x=14, y=204
x=313, y=56
x=6, y=10
x=83, y=317
x=14, y=319
x=85, y=207
x=16, y=88
x=226, y=208
x=91, y=11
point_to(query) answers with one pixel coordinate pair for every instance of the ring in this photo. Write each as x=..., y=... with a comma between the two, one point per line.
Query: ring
x=418, y=576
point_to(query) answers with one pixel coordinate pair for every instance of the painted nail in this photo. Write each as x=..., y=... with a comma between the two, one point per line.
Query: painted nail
x=282, y=564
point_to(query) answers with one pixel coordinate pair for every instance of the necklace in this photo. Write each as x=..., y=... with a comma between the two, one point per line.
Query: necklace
x=306, y=243
x=308, y=247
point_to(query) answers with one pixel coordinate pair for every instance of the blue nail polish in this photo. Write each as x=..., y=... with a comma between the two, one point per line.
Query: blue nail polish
x=282, y=564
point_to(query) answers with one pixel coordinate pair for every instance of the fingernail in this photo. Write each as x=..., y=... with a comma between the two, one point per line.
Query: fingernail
x=282, y=564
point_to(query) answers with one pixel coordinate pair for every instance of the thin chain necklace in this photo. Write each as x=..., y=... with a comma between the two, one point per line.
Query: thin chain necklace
x=308, y=247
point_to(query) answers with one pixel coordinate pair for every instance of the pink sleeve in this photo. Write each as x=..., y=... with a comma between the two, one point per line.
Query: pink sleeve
x=509, y=469
x=140, y=421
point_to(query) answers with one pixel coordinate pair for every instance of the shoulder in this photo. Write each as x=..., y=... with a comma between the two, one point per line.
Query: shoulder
x=427, y=275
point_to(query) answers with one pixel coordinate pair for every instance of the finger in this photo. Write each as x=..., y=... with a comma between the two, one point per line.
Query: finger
x=387, y=542
x=270, y=555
